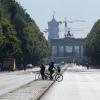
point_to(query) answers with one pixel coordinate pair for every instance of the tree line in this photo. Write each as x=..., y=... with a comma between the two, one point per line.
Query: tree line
x=20, y=37
x=92, y=45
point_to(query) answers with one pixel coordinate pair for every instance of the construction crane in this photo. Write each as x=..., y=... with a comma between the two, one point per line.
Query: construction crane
x=66, y=29
x=67, y=33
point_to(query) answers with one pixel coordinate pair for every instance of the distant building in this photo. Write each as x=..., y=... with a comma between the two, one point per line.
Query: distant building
x=66, y=49
x=53, y=29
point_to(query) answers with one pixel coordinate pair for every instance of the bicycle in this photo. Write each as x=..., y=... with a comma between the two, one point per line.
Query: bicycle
x=38, y=76
x=56, y=76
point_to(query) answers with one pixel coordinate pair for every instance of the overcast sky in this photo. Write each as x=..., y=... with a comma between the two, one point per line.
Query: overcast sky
x=42, y=10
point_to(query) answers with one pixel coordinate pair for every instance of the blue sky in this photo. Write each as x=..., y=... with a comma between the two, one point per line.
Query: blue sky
x=42, y=10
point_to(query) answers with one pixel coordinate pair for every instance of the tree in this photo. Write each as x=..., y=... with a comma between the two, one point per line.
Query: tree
x=20, y=37
x=10, y=45
x=92, y=44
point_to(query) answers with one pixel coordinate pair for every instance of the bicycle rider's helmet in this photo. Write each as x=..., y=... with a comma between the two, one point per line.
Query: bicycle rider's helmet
x=52, y=62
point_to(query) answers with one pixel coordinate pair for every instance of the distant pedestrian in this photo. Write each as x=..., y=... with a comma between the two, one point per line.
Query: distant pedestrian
x=9, y=68
x=87, y=65
x=24, y=68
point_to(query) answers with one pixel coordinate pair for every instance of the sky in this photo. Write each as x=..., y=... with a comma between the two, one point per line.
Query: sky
x=42, y=12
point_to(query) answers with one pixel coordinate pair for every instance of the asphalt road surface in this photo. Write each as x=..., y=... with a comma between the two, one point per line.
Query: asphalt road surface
x=78, y=84
x=11, y=81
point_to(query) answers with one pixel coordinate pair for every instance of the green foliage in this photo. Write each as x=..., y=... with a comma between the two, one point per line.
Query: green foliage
x=10, y=43
x=20, y=37
x=92, y=44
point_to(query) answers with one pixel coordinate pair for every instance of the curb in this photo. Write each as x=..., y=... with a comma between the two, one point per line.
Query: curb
x=45, y=90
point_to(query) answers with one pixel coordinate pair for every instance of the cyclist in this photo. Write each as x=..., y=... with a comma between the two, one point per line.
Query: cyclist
x=51, y=69
x=42, y=70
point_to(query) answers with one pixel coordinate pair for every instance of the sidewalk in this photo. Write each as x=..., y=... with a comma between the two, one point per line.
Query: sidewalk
x=30, y=91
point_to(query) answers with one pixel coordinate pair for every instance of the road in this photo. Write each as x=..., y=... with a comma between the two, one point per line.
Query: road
x=11, y=80
x=78, y=84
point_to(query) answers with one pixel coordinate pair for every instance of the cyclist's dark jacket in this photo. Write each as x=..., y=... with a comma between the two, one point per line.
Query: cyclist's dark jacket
x=51, y=66
x=42, y=69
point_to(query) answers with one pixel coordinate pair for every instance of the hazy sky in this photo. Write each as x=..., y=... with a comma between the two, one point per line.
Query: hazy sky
x=42, y=10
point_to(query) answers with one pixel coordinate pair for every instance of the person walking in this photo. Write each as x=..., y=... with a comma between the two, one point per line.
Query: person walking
x=42, y=70
x=87, y=65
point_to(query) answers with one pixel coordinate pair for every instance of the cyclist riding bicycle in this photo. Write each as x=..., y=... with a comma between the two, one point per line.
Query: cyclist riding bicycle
x=51, y=69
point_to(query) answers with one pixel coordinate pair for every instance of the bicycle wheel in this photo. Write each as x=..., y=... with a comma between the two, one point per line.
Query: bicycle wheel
x=47, y=76
x=54, y=76
x=37, y=76
x=59, y=77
